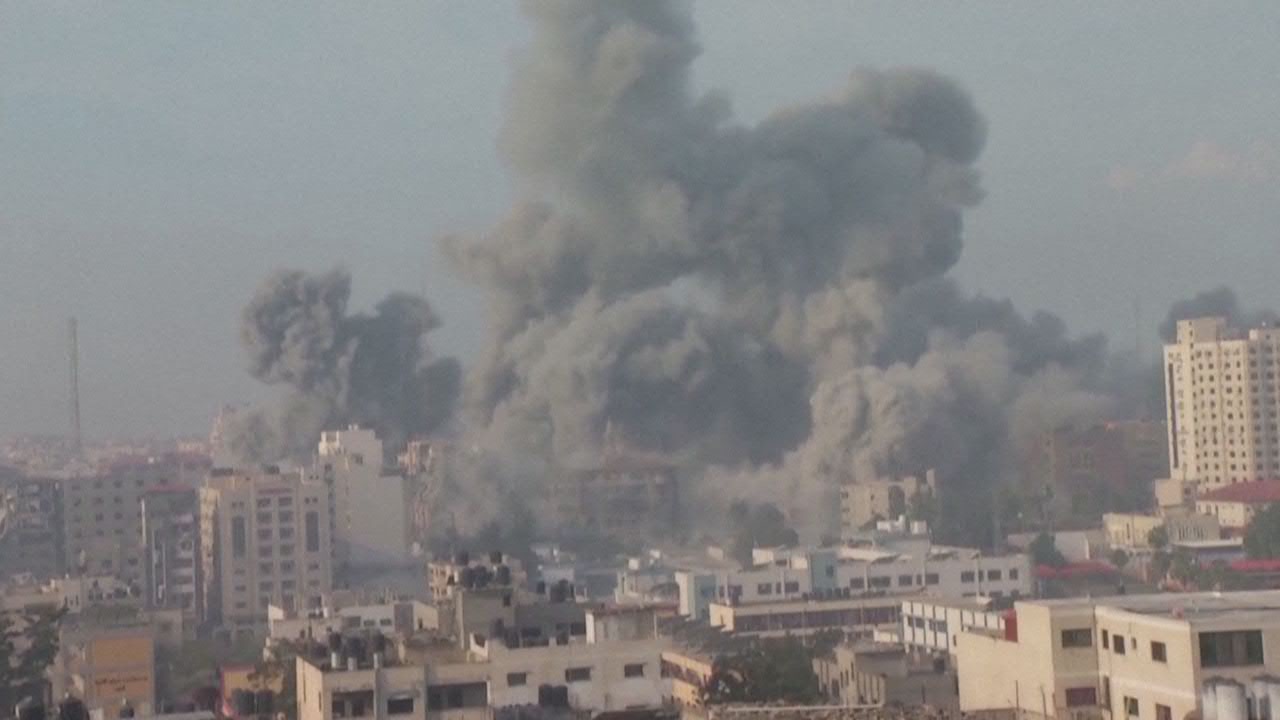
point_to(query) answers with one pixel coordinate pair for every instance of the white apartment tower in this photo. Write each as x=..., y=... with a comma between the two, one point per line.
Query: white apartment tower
x=370, y=502
x=1221, y=402
x=264, y=540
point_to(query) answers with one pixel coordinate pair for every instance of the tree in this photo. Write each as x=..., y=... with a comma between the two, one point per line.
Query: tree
x=22, y=672
x=1160, y=564
x=924, y=506
x=1119, y=558
x=768, y=671
x=1262, y=537
x=1158, y=538
x=1045, y=552
x=1183, y=566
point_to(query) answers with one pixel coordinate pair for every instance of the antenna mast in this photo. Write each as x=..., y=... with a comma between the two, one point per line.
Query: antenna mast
x=74, y=358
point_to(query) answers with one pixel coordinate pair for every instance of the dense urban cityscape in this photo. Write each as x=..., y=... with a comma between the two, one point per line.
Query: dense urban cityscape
x=737, y=443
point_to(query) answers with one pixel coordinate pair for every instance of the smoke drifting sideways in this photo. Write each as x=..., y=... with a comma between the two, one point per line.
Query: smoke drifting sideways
x=767, y=303
x=339, y=368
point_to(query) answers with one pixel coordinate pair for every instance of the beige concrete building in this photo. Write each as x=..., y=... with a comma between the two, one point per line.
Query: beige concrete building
x=1140, y=656
x=1234, y=506
x=108, y=666
x=856, y=616
x=1132, y=531
x=1222, y=403
x=879, y=674
x=264, y=539
x=371, y=503
x=862, y=503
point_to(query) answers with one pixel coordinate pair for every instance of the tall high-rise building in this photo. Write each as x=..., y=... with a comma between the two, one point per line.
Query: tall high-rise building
x=370, y=502
x=1222, y=403
x=264, y=539
x=171, y=540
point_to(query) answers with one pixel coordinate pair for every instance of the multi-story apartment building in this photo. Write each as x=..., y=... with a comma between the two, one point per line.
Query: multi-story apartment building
x=171, y=547
x=370, y=503
x=31, y=532
x=102, y=513
x=1223, y=403
x=448, y=574
x=863, y=503
x=1138, y=656
x=1082, y=471
x=264, y=539
x=628, y=495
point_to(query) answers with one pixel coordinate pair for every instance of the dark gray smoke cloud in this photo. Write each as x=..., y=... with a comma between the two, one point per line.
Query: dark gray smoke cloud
x=1218, y=302
x=339, y=368
x=768, y=303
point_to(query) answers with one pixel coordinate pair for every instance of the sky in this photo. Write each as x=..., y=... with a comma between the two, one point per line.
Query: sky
x=158, y=160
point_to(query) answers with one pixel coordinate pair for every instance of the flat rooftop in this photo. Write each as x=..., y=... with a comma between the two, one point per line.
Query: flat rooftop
x=1191, y=606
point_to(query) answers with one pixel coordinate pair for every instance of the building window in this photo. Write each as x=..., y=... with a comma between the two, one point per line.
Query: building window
x=578, y=674
x=1117, y=644
x=931, y=578
x=857, y=583
x=1231, y=649
x=238, y=537
x=1013, y=573
x=994, y=574
x=764, y=588
x=1081, y=638
x=1082, y=697
x=517, y=679
x=792, y=587
x=1158, y=652
x=1163, y=712
x=904, y=581
x=1130, y=706
x=966, y=576
x=633, y=670
x=881, y=582
x=400, y=706
x=313, y=532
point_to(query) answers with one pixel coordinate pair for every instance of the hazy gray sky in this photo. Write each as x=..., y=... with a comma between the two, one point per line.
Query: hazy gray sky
x=158, y=159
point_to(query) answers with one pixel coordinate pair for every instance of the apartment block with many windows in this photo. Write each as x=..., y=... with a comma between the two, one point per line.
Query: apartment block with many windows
x=1222, y=403
x=264, y=539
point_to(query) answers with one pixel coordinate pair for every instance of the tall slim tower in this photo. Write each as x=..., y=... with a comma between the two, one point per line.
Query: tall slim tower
x=74, y=358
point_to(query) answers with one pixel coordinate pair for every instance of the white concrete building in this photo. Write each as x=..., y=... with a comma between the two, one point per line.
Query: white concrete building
x=371, y=504
x=915, y=567
x=1222, y=403
x=407, y=617
x=933, y=625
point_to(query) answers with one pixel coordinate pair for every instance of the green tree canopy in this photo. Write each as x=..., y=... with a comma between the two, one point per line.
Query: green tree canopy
x=1045, y=552
x=769, y=671
x=1262, y=537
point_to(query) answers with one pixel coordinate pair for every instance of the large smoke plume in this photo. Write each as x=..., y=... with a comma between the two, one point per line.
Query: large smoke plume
x=339, y=368
x=767, y=301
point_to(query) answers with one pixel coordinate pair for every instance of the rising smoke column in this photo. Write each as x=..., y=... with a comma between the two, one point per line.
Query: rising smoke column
x=768, y=302
x=340, y=368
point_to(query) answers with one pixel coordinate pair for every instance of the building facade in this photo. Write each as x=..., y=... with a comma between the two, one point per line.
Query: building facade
x=1235, y=505
x=264, y=539
x=371, y=503
x=1222, y=402
x=1140, y=656
x=863, y=503
x=171, y=548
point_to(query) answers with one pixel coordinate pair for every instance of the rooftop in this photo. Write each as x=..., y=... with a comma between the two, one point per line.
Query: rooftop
x=1198, y=605
x=1258, y=492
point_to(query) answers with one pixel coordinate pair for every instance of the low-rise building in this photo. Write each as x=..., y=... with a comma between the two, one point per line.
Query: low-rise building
x=857, y=617
x=107, y=667
x=932, y=625
x=466, y=570
x=396, y=616
x=1138, y=656
x=875, y=675
x=1132, y=531
x=912, y=567
x=1235, y=505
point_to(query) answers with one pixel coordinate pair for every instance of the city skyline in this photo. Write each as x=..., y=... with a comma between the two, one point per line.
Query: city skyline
x=157, y=175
